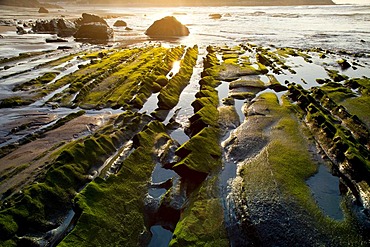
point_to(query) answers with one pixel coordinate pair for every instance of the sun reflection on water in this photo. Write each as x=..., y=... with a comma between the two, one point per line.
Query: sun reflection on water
x=175, y=68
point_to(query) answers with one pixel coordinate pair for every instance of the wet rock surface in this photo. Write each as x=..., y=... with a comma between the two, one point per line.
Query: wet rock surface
x=93, y=27
x=90, y=18
x=231, y=171
x=267, y=215
x=55, y=40
x=89, y=26
x=95, y=31
x=61, y=27
x=20, y=30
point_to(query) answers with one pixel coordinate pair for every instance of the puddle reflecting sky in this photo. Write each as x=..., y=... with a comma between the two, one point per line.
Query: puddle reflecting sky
x=325, y=189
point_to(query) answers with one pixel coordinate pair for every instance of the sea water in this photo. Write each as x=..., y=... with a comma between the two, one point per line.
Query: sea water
x=336, y=27
x=329, y=27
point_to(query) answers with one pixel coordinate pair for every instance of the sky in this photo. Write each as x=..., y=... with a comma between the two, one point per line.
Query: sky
x=352, y=1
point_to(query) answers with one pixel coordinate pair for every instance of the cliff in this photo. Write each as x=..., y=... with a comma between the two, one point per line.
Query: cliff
x=28, y=3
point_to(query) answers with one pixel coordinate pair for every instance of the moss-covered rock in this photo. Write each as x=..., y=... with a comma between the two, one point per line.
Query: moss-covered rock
x=203, y=152
x=14, y=102
x=38, y=207
x=335, y=76
x=38, y=82
x=344, y=64
x=170, y=94
x=121, y=196
x=344, y=141
x=202, y=222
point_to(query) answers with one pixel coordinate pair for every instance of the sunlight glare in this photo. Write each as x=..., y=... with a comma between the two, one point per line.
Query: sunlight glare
x=175, y=68
x=184, y=19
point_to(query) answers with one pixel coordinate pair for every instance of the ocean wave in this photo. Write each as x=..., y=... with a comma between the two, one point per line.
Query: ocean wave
x=322, y=35
x=279, y=15
x=258, y=13
x=246, y=33
x=285, y=15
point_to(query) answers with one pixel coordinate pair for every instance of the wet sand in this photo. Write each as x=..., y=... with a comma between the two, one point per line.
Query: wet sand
x=4, y=29
x=32, y=157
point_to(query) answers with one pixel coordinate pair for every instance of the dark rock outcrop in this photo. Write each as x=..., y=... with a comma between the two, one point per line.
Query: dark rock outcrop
x=20, y=30
x=61, y=27
x=43, y=10
x=168, y=26
x=90, y=18
x=94, y=30
x=64, y=47
x=278, y=87
x=215, y=16
x=120, y=23
x=55, y=40
x=87, y=27
x=344, y=64
x=93, y=27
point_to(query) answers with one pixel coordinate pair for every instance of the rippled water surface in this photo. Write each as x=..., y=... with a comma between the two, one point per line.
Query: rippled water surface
x=330, y=27
x=342, y=27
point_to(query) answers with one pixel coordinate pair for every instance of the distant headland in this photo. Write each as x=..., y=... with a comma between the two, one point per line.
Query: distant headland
x=174, y=3
x=29, y=3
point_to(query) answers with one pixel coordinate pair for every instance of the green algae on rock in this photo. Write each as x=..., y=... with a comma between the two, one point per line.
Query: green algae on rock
x=202, y=222
x=38, y=82
x=343, y=143
x=170, y=93
x=39, y=206
x=121, y=195
x=14, y=102
x=289, y=163
x=104, y=177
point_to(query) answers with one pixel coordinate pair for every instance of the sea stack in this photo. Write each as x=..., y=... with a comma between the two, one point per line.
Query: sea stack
x=43, y=10
x=168, y=26
x=93, y=27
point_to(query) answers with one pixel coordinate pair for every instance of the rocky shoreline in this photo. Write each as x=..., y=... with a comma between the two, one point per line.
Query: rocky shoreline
x=79, y=147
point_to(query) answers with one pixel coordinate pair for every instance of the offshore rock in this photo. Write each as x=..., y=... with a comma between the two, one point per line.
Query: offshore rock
x=43, y=10
x=168, y=26
x=95, y=31
x=64, y=47
x=120, y=23
x=20, y=30
x=55, y=40
x=61, y=27
x=93, y=27
x=215, y=16
x=89, y=18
